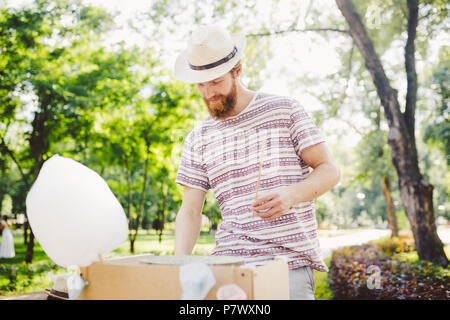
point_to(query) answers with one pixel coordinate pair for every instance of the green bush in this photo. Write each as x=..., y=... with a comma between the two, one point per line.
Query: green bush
x=22, y=278
x=395, y=245
x=371, y=272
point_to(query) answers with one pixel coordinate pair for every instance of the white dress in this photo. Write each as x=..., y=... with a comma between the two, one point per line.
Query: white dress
x=7, y=245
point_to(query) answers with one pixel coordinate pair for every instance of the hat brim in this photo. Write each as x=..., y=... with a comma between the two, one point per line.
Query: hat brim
x=59, y=295
x=184, y=73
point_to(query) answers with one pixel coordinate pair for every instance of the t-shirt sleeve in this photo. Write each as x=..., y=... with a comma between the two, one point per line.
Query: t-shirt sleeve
x=303, y=130
x=191, y=171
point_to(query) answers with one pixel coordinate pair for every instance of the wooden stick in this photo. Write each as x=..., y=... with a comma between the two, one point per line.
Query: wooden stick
x=261, y=158
x=100, y=258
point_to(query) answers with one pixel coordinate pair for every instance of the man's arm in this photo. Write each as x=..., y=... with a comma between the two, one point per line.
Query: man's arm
x=188, y=221
x=325, y=175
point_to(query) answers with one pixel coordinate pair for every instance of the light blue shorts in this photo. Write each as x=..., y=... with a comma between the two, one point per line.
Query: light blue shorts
x=301, y=284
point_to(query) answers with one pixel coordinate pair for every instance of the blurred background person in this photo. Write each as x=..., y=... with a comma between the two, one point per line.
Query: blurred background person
x=7, y=245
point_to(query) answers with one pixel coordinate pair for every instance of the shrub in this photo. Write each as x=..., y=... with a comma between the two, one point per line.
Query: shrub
x=394, y=245
x=21, y=278
x=371, y=272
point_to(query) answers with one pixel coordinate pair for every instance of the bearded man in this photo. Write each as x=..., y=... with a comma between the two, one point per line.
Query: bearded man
x=255, y=151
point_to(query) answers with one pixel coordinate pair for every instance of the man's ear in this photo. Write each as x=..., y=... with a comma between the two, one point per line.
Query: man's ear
x=237, y=72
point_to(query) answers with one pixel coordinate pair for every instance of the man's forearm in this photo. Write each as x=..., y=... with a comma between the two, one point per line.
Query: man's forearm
x=321, y=179
x=187, y=230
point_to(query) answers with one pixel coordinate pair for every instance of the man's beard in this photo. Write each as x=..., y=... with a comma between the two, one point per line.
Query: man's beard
x=222, y=109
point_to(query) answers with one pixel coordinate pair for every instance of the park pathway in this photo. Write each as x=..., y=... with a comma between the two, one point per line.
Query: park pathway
x=328, y=244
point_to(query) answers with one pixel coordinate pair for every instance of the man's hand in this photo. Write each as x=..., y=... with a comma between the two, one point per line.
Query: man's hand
x=324, y=176
x=273, y=204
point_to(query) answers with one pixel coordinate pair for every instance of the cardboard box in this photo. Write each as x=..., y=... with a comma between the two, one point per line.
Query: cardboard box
x=132, y=278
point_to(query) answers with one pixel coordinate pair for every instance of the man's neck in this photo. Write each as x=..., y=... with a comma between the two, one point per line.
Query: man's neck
x=243, y=98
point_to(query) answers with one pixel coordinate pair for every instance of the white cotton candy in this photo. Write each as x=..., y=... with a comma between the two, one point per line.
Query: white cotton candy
x=231, y=291
x=196, y=280
x=73, y=213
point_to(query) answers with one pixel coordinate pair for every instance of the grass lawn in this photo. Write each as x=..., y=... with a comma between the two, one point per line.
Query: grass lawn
x=16, y=277
x=413, y=257
x=323, y=291
x=148, y=243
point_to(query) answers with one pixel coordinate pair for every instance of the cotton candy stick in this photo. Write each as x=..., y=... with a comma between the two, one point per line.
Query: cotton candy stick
x=261, y=158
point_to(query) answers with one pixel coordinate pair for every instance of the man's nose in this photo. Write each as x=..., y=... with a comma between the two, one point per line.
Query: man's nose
x=209, y=93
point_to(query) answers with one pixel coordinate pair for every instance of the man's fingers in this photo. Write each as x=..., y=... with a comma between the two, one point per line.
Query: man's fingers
x=264, y=206
x=268, y=213
x=264, y=200
x=261, y=200
x=272, y=215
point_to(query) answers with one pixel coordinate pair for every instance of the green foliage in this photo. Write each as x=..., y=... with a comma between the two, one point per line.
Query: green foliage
x=438, y=131
x=393, y=245
x=402, y=220
x=26, y=278
x=323, y=291
x=17, y=277
x=110, y=108
x=378, y=17
x=374, y=158
x=6, y=206
x=435, y=143
x=54, y=47
x=211, y=210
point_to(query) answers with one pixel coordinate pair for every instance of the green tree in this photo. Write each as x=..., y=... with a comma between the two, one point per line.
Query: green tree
x=137, y=138
x=438, y=131
x=70, y=77
x=416, y=192
x=212, y=211
x=374, y=167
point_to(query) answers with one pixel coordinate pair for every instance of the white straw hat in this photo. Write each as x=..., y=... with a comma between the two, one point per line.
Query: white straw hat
x=59, y=290
x=211, y=53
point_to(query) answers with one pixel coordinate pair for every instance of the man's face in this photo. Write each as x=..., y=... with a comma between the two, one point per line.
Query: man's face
x=219, y=95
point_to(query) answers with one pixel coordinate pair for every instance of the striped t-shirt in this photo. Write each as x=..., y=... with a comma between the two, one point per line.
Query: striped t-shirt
x=223, y=155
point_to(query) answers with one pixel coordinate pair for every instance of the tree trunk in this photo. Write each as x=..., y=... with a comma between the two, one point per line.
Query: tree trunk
x=38, y=147
x=130, y=199
x=144, y=186
x=5, y=149
x=25, y=232
x=142, y=199
x=30, y=246
x=160, y=232
x=385, y=183
x=132, y=245
x=416, y=193
x=162, y=212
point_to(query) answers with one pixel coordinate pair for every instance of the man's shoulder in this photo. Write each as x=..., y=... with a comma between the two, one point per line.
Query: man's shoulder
x=269, y=98
x=196, y=135
x=284, y=105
